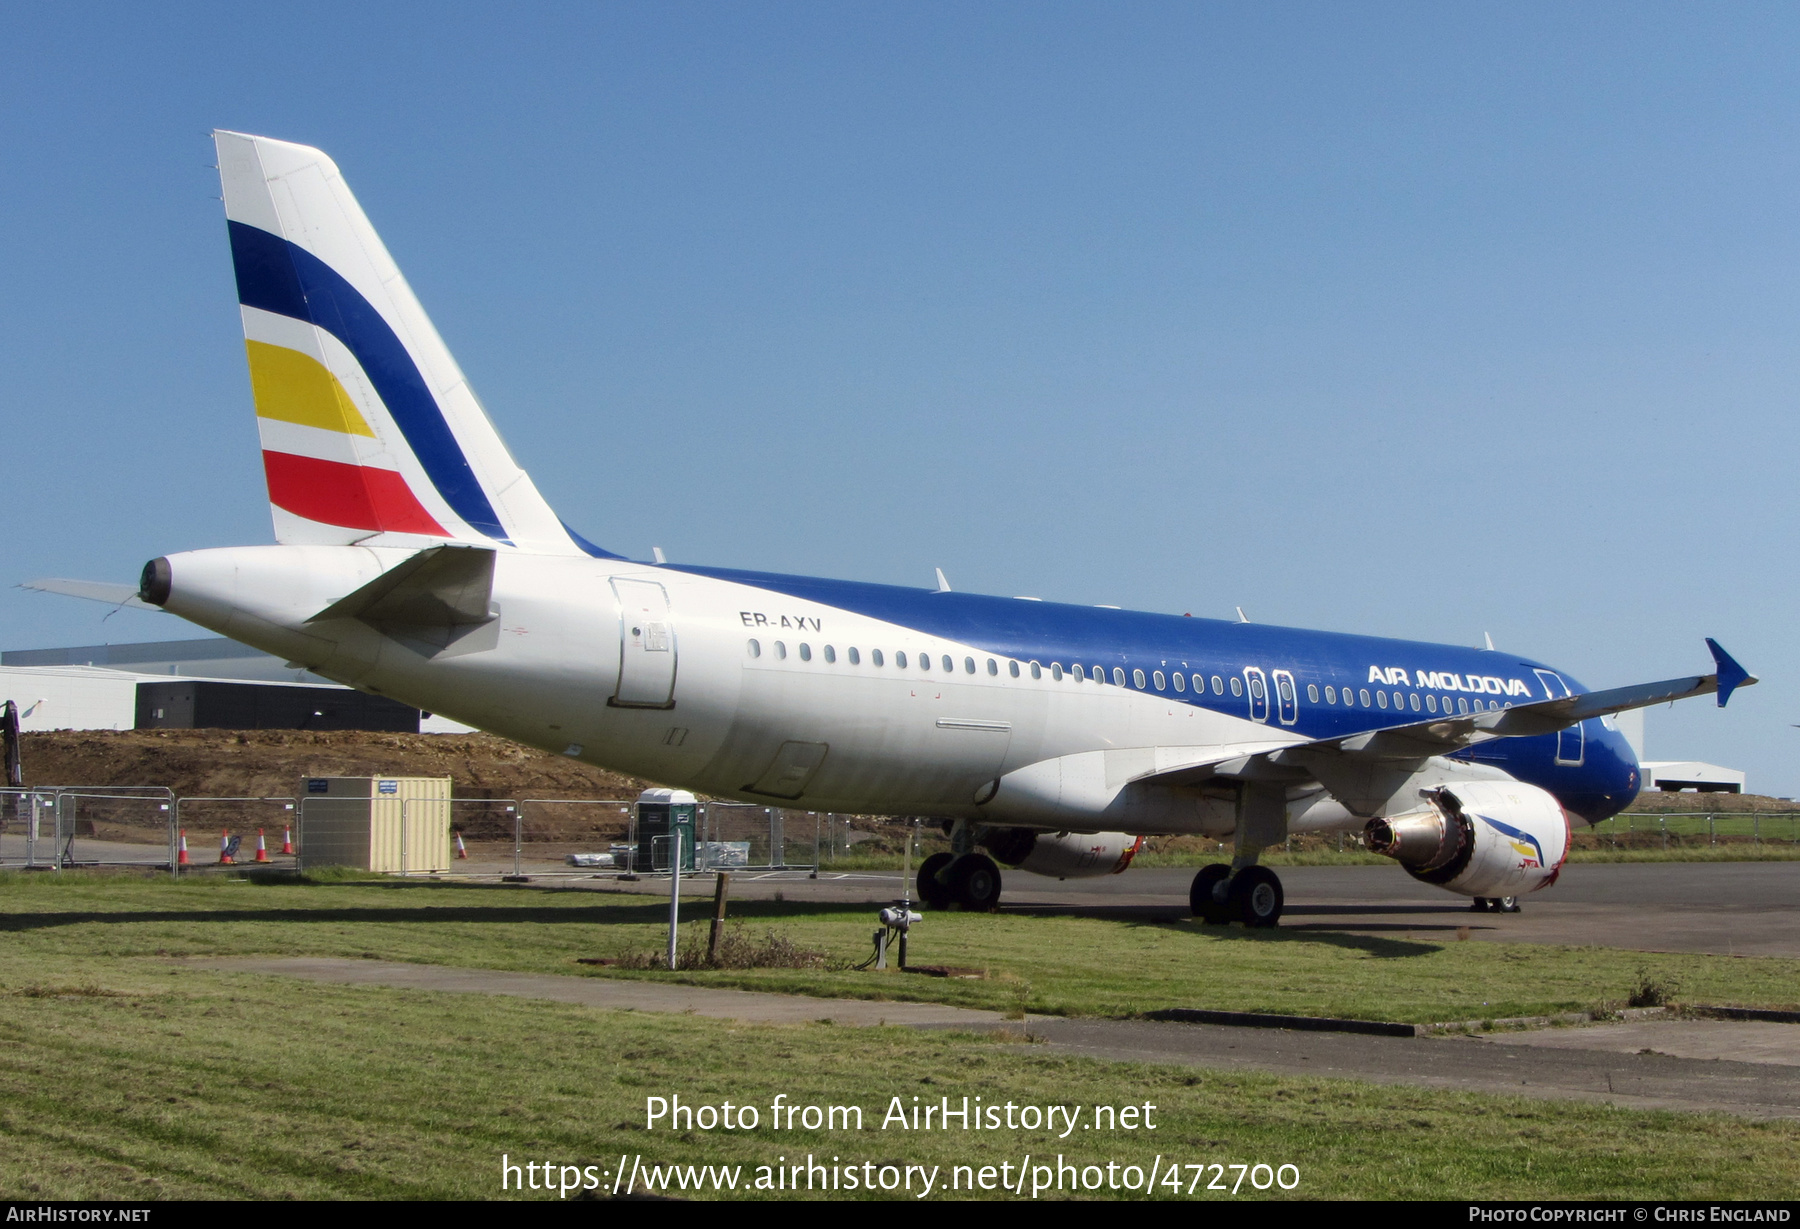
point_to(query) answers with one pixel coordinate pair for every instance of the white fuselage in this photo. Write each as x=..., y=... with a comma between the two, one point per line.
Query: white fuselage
x=771, y=697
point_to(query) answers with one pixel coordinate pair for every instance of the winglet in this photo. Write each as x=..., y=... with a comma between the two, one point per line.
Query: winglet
x=1731, y=675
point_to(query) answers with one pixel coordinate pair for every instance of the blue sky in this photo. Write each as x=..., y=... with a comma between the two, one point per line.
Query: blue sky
x=1414, y=320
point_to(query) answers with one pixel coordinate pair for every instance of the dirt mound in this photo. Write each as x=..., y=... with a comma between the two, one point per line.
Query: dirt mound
x=1690, y=803
x=270, y=763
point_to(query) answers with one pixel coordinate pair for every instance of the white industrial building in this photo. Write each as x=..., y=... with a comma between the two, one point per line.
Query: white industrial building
x=1673, y=775
x=71, y=697
x=95, y=687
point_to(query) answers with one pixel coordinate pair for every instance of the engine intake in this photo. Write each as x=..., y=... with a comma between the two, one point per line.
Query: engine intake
x=1479, y=838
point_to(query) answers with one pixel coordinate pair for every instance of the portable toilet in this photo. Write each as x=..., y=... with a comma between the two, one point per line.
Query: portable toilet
x=389, y=824
x=661, y=815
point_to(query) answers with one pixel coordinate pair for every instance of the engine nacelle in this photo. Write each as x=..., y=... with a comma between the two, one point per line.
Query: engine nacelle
x=1479, y=838
x=1062, y=855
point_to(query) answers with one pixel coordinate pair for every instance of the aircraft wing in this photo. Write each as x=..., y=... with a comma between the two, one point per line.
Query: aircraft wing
x=1420, y=740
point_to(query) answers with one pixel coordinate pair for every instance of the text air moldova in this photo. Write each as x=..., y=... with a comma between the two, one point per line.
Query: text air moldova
x=1434, y=680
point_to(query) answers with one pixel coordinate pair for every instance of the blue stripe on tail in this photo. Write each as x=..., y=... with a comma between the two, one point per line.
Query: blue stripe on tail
x=276, y=276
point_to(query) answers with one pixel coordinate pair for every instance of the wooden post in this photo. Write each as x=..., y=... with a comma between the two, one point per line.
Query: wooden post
x=721, y=889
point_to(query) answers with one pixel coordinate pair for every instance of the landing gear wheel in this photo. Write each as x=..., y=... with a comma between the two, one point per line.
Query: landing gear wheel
x=1478, y=904
x=1200, y=896
x=1506, y=904
x=1256, y=896
x=932, y=889
x=974, y=882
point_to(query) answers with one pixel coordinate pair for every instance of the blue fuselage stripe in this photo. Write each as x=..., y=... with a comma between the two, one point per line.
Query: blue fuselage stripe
x=1050, y=632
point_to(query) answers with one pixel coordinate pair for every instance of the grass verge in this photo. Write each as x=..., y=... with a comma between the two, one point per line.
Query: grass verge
x=1054, y=965
x=153, y=1081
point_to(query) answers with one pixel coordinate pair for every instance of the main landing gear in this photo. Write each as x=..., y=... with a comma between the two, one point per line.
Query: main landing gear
x=1252, y=896
x=1494, y=904
x=971, y=880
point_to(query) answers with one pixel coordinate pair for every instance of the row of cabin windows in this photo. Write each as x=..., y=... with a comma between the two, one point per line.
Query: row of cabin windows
x=1401, y=700
x=1098, y=674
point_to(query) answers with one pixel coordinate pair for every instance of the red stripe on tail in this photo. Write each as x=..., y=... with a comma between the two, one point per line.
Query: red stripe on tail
x=353, y=496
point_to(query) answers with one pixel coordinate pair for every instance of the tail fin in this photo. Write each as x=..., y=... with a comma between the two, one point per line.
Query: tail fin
x=369, y=431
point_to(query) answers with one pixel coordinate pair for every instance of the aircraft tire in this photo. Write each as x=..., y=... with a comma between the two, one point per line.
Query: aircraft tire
x=1200, y=896
x=974, y=882
x=933, y=891
x=1256, y=897
x=1506, y=904
x=1478, y=904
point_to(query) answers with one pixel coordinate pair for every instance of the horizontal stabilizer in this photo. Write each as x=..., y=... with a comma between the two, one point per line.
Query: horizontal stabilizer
x=110, y=592
x=434, y=597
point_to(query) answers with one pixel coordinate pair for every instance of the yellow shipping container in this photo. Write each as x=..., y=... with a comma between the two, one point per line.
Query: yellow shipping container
x=388, y=824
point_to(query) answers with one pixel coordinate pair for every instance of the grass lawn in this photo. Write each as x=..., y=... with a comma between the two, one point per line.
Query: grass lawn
x=1049, y=965
x=126, y=1077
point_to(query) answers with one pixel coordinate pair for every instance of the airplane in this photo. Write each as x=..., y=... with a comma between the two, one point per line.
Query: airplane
x=416, y=559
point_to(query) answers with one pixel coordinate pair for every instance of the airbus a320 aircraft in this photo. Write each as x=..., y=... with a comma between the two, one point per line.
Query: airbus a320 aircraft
x=417, y=560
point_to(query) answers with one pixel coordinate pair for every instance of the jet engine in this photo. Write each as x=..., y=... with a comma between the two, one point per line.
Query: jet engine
x=1062, y=855
x=1479, y=838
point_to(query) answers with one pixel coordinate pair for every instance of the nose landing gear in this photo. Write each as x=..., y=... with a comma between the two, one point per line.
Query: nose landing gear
x=1494, y=904
x=1252, y=896
x=971, y=880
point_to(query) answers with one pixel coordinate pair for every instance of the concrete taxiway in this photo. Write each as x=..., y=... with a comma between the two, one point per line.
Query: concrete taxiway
x=1727, y=908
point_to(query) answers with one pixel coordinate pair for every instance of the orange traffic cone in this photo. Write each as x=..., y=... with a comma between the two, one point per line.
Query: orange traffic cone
x=460, y=851
x=181, y=858
x=287, y=842
x=225, y=858
x=262, y=850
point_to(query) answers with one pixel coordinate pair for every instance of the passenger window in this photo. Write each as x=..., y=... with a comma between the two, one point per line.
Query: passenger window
x=1218, y=687
x=1431, y=704
x=1118, y=677
x=950, y=666
x=1099, y=675
x=875, y=657
x=1076, y=670
x=994, y=667
x=830, y=654
x=805, y=651
x=1012, y=668
x=1037, y=671
x=924, y=661
x=1399, y=700
x=1312, y=693
x=1363, y=695
x=1256, y=687
x=1413, y=701
x=969, y=665
x=1381, y=698
x=1137, y=679
x=1237, y=685
x=1160, y=681
x=1331, y=695
x=781, y=650
x=900, y=659
x=1180, y=682
x=1056, y=670
x=755, y=649
x=1462, y=705
x=855, y=657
